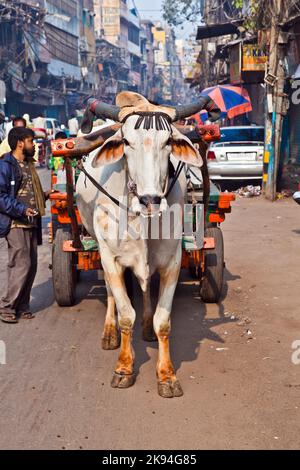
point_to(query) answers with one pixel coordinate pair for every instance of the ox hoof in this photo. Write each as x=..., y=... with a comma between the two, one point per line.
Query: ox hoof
x=123, y=381
x=149, y=334
x=170, y=389
x=111, y=340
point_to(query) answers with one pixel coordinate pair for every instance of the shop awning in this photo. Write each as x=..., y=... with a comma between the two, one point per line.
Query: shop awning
x=217, y=30
x=291, y=22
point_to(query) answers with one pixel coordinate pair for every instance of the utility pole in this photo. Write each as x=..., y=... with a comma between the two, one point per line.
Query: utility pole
x=205, y=62
x=275, y=99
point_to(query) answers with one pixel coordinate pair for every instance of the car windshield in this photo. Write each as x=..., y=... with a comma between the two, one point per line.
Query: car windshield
x=249, y=134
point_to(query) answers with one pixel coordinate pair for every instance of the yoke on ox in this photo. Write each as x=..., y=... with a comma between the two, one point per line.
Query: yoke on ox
x=134, y=166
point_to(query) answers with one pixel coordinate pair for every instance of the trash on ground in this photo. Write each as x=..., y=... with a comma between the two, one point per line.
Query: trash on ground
x=286, y=193
x=249, y=191
x=245, y=321
x=247, y=333
x=230, y=315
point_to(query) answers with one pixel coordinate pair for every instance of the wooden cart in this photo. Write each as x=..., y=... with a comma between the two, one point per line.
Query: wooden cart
x=73, y=250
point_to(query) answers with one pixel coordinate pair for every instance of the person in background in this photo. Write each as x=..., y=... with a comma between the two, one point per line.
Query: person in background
x=4, y=146
x=9, y=124
x=22, y=203
x=61, y=135
x=2, y=125
x=28, y=122
x=73, y=126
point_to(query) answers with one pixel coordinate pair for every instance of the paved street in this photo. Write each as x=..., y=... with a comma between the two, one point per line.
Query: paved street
x=233, y=359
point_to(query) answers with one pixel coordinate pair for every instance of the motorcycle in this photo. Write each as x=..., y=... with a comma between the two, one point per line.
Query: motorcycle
x=296, y=197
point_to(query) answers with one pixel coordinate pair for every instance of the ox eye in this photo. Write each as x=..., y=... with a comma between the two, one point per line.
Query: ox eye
x=125, y=142
x=169, y=141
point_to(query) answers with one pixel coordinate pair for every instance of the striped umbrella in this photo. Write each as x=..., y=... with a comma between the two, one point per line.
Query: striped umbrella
x=232, y=100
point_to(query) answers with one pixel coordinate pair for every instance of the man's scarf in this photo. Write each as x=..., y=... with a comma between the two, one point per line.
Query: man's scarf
x=38, y=190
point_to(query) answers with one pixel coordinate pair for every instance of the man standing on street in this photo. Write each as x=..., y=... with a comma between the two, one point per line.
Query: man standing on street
x=21, y=200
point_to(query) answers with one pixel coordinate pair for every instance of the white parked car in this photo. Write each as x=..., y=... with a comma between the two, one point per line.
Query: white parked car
x=51, y=125
x=238, y=155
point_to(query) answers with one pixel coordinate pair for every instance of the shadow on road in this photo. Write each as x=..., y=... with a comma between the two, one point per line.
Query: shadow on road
x=190, y=325
x=42, y=296
x=190, y=322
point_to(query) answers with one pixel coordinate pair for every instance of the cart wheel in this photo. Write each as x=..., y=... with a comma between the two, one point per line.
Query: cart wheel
x=64, y=271
x=212, y=282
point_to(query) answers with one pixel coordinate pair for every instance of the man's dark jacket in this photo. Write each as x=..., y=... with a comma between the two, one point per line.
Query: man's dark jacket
x=10, y=181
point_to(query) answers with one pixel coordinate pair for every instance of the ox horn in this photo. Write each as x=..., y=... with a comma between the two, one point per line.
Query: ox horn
x=205, y=102
x=98, y=109
x=79, y=146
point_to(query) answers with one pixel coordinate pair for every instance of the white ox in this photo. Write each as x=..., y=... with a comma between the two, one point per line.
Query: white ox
x=138, y=153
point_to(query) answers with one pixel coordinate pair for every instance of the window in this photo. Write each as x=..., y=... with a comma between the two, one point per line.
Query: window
x=135, y=63
x=134, y=35
x=91, y=20
x=62, y=46
x=67, y=6
x=236, y=134
x=7, y=34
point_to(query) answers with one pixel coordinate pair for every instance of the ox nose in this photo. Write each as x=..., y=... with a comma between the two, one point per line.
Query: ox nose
x=148, y=200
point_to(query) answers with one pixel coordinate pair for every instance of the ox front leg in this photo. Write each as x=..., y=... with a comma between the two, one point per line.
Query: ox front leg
x=148, y=330
x=124, y=376
x=111, y=334
x=168, y=385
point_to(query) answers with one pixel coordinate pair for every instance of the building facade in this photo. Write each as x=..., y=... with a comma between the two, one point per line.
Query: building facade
x=121, y=35
x=49, y=68
x=87, y=47
x=63, y=51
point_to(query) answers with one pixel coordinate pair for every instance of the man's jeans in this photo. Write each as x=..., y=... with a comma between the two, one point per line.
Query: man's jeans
x=21, y=270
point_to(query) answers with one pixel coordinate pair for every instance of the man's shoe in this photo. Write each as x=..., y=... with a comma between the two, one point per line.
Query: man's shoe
x=26, y=316
x=8, y=318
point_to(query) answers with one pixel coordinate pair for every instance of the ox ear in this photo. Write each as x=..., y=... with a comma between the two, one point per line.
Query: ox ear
x=111, y=151
x=184, y=150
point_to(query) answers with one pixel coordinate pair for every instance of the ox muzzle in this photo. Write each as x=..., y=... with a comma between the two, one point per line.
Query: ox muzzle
x=149, y=205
